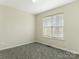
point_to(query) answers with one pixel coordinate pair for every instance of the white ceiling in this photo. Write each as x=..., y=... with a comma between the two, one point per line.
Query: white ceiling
x=35, y=8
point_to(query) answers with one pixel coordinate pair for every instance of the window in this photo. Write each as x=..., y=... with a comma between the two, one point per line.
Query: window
x=53, y=26
x=47, y=26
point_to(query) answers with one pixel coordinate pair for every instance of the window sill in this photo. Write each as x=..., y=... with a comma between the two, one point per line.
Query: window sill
x=54, y=38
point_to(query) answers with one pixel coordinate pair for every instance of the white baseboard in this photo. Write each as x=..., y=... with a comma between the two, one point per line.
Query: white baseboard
x=15, y=45
x=60, y=48
x=42, y=43
x=70, y=50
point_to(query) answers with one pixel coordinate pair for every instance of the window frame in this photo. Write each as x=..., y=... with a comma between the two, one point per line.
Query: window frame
x=60, y=38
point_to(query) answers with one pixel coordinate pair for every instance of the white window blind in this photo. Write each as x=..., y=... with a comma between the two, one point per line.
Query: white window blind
x=53, y=26
x=47, y=26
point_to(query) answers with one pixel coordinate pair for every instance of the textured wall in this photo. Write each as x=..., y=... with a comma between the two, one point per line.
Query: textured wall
x=16, y=27
x=71, y=28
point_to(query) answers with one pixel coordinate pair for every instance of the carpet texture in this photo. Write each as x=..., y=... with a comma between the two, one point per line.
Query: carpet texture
x=36, y=51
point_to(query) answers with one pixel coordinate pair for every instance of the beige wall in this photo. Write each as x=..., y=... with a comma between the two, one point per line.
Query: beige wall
x=16, y=27
x=71, y=28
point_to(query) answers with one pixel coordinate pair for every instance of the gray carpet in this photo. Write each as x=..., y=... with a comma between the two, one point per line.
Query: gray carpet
x=36, y=51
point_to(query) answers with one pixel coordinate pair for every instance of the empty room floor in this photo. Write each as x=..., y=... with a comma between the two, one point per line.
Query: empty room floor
x=36, y=51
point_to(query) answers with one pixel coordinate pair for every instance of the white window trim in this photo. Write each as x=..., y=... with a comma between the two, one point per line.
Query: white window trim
x=58, y=38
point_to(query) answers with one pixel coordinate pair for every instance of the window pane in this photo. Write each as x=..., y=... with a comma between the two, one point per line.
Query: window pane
x=57, y=20
x=53, y=26
x=47, y=31
x=47, y=21
x=57, y=32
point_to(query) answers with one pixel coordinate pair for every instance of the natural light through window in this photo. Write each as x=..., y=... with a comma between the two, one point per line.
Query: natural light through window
x=53, y=26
